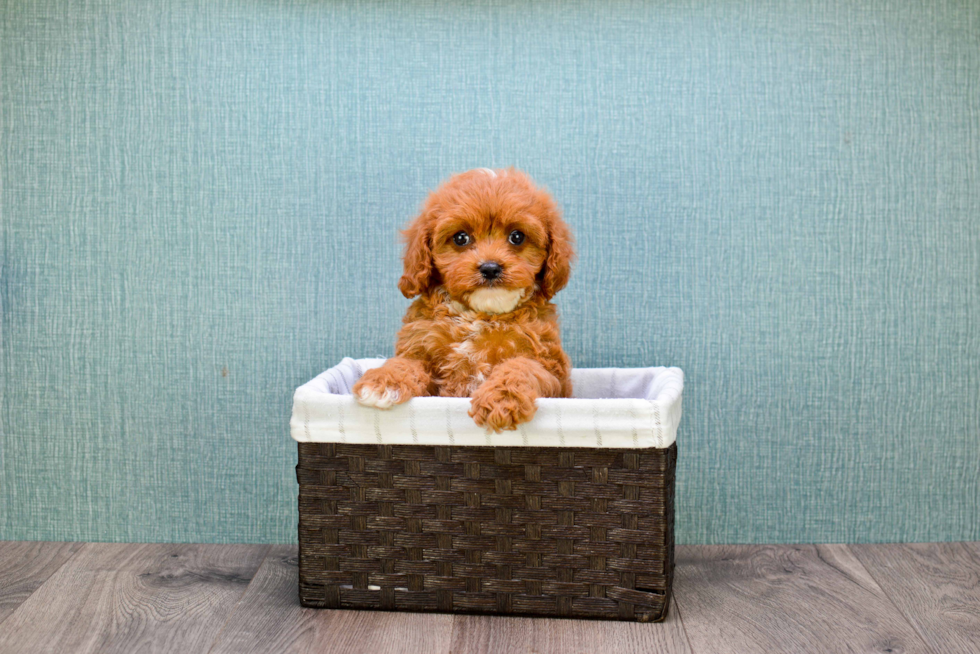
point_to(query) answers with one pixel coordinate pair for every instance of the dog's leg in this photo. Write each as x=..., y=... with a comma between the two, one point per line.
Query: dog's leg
x=397, y=381
x=507, y=398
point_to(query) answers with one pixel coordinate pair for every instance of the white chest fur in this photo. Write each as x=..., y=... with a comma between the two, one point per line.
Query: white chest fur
x=495, y=300
x=467, y=350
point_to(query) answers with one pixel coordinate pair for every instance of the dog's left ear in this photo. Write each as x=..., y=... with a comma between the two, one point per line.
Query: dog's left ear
x=558, y=263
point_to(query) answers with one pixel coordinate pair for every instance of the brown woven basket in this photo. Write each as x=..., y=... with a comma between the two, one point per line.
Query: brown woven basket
x=563, y=532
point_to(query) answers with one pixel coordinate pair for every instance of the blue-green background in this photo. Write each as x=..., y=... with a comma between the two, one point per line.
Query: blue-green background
x=200, y=202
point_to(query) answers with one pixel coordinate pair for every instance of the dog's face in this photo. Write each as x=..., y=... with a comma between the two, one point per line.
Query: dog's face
x=490, y=238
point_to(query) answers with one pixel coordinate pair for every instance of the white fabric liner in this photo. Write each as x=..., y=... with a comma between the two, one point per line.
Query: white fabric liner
x=610, y=408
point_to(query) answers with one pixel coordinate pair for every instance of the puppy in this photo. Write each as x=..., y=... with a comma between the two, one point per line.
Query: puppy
x=484, y=258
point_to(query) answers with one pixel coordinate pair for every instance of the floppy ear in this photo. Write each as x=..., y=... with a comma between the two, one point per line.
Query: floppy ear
x=418, y=258
x=558, y=263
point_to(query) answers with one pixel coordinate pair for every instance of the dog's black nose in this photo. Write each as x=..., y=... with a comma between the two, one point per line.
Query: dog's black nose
x=490, y=270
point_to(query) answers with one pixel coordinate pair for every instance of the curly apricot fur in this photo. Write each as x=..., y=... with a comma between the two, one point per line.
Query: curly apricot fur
x=449, y=347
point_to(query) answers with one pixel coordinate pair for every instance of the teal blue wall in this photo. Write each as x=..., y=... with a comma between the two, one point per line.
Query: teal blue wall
x=200, y=201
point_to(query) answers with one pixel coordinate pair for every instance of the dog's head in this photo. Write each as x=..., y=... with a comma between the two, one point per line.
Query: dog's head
x=491, y=239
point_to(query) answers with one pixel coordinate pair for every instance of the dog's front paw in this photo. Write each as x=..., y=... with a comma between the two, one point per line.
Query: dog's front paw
x=379, y=398
x=377, y=388
x=498, y=408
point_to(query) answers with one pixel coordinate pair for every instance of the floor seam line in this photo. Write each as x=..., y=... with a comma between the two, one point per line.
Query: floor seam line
x=82, y=545
x=238, y=603
x=891, y=601
x=680, y=617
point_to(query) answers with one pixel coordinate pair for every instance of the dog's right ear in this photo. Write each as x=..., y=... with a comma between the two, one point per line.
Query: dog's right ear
x=418, y=273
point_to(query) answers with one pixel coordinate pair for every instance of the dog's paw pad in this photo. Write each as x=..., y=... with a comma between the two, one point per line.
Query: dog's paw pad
x=384, y=399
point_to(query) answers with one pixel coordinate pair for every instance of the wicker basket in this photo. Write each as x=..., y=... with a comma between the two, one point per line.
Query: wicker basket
x=550, y=531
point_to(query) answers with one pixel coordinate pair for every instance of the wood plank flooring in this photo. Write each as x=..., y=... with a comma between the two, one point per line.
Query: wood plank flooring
x=25, y=566
x=935, y=586
x=92, y=597
x=801, y=598
x=134, y=598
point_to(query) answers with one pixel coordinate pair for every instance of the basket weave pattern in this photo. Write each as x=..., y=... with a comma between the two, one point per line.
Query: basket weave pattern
x=567, y=532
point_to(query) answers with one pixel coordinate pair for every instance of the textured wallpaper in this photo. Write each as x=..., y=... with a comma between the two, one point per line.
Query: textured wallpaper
x=200, y=201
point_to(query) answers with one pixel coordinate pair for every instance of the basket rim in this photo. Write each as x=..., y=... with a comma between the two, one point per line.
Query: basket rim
x=321, y=414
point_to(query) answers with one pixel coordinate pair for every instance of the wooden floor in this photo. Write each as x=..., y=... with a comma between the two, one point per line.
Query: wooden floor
x=96, y=597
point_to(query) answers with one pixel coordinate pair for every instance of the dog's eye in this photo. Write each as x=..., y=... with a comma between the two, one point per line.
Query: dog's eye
x=516, y=237
x=461, y=239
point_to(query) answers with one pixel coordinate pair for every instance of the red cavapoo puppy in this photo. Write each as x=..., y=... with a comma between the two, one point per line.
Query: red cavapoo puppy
x=485, y=257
